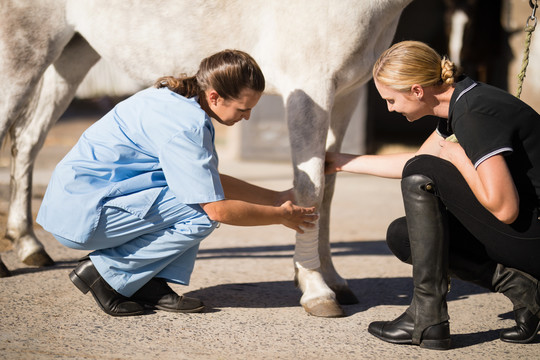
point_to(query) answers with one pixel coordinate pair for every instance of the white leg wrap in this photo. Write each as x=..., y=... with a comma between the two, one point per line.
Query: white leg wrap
x=306, y=252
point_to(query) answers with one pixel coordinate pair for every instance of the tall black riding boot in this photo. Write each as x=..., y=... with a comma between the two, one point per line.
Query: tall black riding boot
x=524, y=292
x=425, y=322
x=521, y=288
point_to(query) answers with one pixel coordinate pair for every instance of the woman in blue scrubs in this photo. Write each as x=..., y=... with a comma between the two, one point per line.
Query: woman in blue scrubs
x=141, y=188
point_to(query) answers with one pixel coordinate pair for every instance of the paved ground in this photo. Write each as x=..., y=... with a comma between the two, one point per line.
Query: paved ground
x=244, y=275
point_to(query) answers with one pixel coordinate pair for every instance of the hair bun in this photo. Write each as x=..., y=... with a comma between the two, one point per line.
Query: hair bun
x=448, y=71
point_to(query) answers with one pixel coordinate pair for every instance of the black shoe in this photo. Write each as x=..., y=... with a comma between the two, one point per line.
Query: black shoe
x=86, y=277
x=527, y=326
x=157, y=294
x=400, y=330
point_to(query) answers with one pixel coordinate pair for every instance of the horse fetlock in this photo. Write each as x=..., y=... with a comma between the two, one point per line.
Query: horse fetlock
x=340, y=287
x=310, y=280
x=317, y=298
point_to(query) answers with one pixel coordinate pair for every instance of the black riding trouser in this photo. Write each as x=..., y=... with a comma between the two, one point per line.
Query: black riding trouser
x=474, y=232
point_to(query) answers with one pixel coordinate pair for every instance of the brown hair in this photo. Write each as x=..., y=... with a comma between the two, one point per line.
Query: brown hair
x=228, y=72
x=413, y=62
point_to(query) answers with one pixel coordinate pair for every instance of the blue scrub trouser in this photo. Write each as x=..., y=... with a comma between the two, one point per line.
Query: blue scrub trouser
x=129, y=251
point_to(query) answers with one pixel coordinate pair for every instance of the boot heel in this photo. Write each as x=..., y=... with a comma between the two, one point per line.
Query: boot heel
x=436, y=337
x=443, y=344
x=79, y=283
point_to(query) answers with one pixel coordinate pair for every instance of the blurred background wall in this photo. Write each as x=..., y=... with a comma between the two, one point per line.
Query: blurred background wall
x=494, y=43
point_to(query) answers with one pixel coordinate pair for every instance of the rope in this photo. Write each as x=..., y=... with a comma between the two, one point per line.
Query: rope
x=529, y=30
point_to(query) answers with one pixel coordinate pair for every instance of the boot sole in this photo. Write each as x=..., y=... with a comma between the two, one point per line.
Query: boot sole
x=393, y=341
x=439, y=344
x=443, y=344
x=186, y=311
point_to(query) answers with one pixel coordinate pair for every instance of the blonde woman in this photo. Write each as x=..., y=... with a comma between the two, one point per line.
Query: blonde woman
x=471, y=206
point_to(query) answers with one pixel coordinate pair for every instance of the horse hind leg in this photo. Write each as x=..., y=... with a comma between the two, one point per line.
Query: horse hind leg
x=344, y=109
x=52, y=97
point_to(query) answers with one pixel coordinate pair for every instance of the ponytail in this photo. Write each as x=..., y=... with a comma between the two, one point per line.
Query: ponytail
x=228, y=72
x=448, y=71
x=186, y=86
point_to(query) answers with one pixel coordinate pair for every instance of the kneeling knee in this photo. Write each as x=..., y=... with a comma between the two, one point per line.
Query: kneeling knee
x=397, y=239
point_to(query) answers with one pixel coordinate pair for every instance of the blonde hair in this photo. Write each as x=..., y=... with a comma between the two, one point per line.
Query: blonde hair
x=228, y=72
x=413, y=62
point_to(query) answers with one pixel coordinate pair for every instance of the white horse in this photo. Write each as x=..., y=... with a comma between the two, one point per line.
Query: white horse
x=316, y=54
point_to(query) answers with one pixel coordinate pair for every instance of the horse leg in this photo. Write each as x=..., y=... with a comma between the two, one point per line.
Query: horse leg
x=29, y=45
x=53, y=95
x=342, y=112
x=308, y=126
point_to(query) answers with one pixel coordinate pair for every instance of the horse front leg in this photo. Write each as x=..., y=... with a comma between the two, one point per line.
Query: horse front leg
x=19, y=223
x=19, y=227
x=308, y=125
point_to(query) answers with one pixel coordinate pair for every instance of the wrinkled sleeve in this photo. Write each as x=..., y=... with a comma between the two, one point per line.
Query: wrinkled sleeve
x=190, y=166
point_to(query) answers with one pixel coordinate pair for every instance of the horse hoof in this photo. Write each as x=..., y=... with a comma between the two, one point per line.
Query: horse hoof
x=38, y=258
x=4, y=272
x=346, y=297
x=327, y=309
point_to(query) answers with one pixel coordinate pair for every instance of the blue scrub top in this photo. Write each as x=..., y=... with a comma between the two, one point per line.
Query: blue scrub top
x=153, y=139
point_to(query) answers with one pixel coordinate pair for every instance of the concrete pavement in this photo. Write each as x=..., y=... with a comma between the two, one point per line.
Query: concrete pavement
x=244, y=275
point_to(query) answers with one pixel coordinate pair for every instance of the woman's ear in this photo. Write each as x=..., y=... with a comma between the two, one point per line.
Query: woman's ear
x=417, y=91
x=213, y=96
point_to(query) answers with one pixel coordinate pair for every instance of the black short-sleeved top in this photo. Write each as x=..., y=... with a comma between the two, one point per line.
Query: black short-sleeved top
x=488, y=121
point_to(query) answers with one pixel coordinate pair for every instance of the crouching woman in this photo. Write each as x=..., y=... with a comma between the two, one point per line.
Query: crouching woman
x=141, y=188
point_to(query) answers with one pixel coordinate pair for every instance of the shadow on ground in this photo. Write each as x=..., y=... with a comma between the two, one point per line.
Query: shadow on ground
x=276, y=294
x=382, y=292
x=340, y=248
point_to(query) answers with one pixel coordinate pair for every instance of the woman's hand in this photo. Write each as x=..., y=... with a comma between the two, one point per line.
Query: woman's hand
x=283, y=196
x=491, y=182
x=298, y=218
x=334, y=161
x=453, y=152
